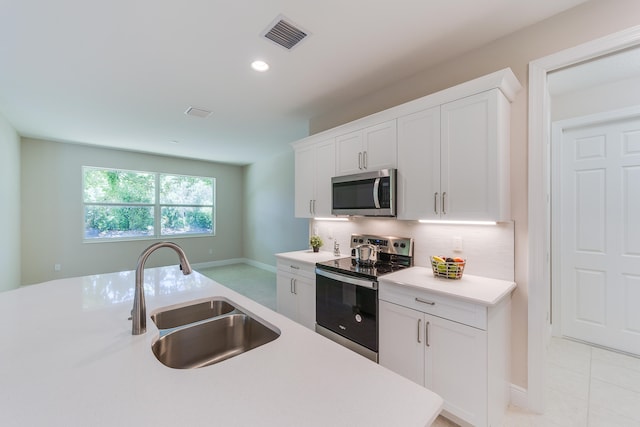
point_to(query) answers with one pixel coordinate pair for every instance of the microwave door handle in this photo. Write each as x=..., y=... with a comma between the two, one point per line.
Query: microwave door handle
x=376, y=195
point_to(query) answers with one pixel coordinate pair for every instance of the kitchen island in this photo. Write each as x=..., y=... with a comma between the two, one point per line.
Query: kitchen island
x=68, y=358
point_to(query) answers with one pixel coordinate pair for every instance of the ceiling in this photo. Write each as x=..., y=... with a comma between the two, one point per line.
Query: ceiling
x=122, y=73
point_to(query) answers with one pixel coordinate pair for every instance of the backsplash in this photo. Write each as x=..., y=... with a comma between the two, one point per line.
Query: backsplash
x=488, y=249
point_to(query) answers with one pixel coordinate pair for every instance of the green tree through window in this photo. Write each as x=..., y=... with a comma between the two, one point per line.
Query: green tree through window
x=121, y=204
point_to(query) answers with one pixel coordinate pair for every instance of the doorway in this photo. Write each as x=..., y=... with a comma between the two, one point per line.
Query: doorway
x=539, y=266
x=595, y=237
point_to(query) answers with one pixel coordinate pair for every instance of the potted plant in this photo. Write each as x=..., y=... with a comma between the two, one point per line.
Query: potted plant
x=315, y=242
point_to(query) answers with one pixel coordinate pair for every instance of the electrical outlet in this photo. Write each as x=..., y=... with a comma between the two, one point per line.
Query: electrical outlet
x=57, y=267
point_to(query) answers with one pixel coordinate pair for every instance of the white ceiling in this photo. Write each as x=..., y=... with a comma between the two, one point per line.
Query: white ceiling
x=121, y=73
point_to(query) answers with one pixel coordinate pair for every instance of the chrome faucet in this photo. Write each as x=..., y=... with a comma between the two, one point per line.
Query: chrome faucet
x=139, y=311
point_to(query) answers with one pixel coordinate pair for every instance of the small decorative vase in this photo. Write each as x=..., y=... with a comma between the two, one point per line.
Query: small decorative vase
x=316, y=248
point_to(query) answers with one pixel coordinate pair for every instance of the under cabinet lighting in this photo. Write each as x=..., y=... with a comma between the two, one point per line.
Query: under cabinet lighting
x=331, y=219
x=438, y=221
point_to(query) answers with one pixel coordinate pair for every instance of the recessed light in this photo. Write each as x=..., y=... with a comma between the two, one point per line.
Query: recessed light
x=260, y=66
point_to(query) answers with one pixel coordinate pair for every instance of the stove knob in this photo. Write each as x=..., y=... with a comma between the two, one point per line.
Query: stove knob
x=402, y=245
x=395, y=245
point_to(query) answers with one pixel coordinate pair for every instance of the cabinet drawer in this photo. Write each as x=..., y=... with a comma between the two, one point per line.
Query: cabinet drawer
x=432, y=303
x=297, y=267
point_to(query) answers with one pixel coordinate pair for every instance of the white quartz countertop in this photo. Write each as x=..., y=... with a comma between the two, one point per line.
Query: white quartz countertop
x=67, y=358
x=476, y=289
x=309, y=256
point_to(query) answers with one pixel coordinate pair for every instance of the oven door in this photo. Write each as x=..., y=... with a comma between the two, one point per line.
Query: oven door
x=348, y=307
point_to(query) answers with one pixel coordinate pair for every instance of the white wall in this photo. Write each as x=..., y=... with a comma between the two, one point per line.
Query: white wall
x=52, y=216
x=591, y=20
x=269, y=224
x=10, y=211
x=597, y=99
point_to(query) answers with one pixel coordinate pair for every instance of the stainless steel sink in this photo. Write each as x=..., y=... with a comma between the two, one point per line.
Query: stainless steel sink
x=205, y=342
x=181, y=316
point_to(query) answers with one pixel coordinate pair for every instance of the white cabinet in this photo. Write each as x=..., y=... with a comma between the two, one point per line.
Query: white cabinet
x=368, y=149
x=296, y=291
x=314, y=168
x=446, y=345
x=419, y=164
x=453, y=160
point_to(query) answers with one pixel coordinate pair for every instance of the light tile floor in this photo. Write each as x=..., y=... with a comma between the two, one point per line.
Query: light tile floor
x=252, y=282
x=586, y=386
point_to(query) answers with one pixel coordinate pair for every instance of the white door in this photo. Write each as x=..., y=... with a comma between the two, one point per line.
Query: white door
x=599, y=262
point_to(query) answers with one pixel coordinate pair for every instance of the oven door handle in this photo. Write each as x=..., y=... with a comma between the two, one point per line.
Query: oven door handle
x=371, y=284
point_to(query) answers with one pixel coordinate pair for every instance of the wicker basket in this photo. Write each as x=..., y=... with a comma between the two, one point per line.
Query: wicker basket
x=448, y=270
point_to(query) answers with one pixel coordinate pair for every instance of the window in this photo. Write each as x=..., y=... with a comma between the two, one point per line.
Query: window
x=120, y=204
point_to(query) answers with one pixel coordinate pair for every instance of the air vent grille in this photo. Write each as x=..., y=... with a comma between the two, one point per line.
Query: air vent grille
x=284, y=33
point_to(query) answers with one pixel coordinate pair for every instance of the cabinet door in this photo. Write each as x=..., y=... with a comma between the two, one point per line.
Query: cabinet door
x=380, y=146
x=325, y=169
x=471, y=159
x=419, y=165
x=401, y=345
x=305, y=292
x=349, y=153
x=456, y=367
x=286, y=299
x=304, y=182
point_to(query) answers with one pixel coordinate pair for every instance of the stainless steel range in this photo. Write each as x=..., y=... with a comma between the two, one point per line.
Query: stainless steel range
x=347, y=290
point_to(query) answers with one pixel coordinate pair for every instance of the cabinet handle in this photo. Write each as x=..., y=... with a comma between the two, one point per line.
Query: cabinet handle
x=435, y=203
x=424, y=301
x=444, y=197
x=310, y=206
x=419, y=321
x=360, y=160
x=291, y=285
x=364, y=160
x=314, y=206
x=295, y=267
x=426, y=334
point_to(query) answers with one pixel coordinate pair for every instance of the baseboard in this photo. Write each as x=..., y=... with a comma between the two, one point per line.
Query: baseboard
x=220, y=263
x=271, y=268
x=231, y=261
x=519, y=396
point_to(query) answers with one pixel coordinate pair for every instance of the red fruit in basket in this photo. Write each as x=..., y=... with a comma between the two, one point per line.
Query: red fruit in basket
x=457, y=259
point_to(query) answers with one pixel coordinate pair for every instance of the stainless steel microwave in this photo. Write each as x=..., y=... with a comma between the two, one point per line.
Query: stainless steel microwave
x=365, y=194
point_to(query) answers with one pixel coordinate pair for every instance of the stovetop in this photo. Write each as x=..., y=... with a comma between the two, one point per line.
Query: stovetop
x=350, y=267
x=394, y=253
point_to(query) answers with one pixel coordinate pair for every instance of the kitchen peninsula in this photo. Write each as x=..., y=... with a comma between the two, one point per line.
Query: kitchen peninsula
x=68, y=358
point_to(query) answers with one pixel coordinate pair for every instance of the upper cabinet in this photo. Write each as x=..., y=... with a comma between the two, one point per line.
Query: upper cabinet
x=367, y=149
x=453, y=160
x=451, y=150
x=315, y=165
x=419, y=164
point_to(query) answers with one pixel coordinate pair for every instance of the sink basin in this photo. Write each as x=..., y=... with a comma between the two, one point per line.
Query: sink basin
x=213, y=341
x=181, y=316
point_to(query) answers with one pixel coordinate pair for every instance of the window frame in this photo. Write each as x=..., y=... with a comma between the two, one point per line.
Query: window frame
x=156, y=208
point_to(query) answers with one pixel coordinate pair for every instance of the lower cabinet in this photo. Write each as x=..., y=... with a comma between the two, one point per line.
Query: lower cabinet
x=450, y=358
x=296, y=293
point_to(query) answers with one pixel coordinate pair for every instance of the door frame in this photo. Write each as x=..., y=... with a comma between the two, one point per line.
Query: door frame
x=539, y=220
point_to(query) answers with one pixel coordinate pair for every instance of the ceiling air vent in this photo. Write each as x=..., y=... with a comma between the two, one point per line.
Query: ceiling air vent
x=197, y=112
x=284, y=33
